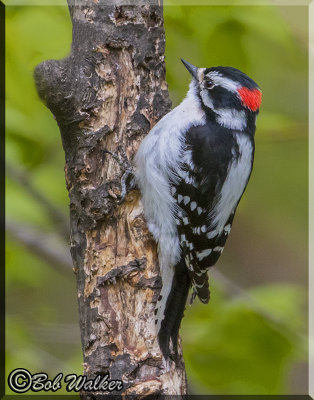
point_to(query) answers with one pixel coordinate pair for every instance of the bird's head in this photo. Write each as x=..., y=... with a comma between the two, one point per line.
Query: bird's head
x=222, y=89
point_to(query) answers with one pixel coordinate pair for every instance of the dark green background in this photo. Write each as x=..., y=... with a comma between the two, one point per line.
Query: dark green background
x=252, y=337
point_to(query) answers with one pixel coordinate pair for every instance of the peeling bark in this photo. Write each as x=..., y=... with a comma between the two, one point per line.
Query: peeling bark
x=106, y=96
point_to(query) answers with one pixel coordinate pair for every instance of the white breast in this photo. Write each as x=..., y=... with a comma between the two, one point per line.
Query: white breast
x=234, y=185
x=159, y=154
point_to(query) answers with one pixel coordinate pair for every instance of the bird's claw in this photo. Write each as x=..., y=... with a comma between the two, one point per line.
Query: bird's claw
x=128, y=181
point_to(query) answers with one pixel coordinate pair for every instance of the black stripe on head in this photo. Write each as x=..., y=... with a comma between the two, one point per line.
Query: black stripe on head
x=223, y=98
x=235, y=75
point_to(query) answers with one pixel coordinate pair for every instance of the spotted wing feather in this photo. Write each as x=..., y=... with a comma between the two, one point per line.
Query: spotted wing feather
x=209, y=153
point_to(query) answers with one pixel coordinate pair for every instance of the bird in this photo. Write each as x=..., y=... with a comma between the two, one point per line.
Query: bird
x=192, y=169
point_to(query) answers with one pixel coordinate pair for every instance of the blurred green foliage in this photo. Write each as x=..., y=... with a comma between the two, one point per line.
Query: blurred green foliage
x=246, y=341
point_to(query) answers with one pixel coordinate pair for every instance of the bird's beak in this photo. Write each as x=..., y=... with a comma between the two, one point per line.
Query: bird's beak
x=191, y=68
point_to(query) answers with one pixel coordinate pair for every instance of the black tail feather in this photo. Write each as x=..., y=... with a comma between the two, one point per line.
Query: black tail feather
x=174, y=310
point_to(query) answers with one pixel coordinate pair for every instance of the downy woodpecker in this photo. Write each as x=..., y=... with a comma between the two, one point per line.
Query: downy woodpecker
x=192, y=169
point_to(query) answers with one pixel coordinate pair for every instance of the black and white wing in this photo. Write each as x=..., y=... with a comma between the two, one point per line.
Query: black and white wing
x=215, y=170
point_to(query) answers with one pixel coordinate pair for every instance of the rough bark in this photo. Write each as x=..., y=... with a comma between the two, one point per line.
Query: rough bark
x=107, y=95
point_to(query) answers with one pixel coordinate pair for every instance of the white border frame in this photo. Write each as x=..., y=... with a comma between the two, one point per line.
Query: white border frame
x=310, y=4
x=311, y=200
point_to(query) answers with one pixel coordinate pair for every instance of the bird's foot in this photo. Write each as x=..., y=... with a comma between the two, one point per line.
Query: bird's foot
x=128, y=181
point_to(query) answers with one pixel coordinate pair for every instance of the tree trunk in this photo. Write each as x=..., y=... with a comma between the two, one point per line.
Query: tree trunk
x=106, y=96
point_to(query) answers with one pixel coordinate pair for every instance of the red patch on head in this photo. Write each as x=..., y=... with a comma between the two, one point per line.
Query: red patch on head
x=251, y=98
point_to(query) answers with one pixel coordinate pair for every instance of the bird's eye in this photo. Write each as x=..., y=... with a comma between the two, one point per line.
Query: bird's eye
x=209, y=84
